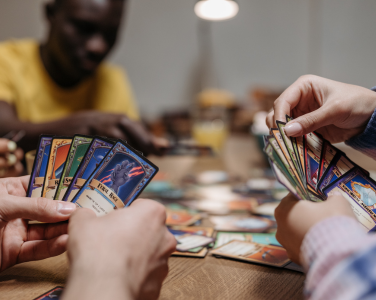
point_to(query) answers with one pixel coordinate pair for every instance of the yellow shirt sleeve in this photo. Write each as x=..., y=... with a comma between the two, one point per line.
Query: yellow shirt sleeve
x=7, y=91
x=113, y=93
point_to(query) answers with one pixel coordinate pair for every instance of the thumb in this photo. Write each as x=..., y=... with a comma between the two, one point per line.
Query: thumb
x=308, y=122
x=38, y=209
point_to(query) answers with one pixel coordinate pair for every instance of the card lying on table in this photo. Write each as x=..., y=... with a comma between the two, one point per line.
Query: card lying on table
x=310, y=168
x=253, y=252
x=92, y=172
x=117, y=181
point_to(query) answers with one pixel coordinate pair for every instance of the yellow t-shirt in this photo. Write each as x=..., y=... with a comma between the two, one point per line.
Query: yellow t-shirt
x=25, y=83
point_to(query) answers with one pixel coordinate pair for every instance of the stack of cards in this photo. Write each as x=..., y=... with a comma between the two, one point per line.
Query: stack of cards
x=310, y=168
x=92, y=172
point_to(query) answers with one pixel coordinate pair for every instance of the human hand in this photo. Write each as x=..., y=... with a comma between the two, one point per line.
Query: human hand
x=111, y=125
x=10, y=159
x=338, y=111
x=295, y=218
x=20, y=242
x=122, y=255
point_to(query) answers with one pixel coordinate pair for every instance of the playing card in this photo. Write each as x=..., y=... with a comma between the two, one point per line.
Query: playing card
x=190, y=241
x=290, y=149
x=282, y=148
x=312, y=155
x=262, y=238
x=241, y=223
x=55, y=165
x=39, y=167
x=117, y=181
x=281, y=169
x=360, y=191
x=199, y=252
x=339, y=166
x=327, y=155
x=297, y=144
x=97, y=150
x=77, y=151
x=54, y=293
x=253, y=252
x=181, y=217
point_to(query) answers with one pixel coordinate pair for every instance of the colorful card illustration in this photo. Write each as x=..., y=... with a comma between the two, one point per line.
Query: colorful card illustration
x=241, y=223
x=97, y=150
x=117, y=181
x=223, y=238
x=290, y=149
x=253, y=252
x=181, y=217
x=199, y=252
x=55, y=165
x=76, y=153
x=54, y=293
x=298, y=149
x=360, y=191
x=39, y=167
x=327, y=155
x=313, y=144
x=339, y=166
x=274, y=152
x=278, y=137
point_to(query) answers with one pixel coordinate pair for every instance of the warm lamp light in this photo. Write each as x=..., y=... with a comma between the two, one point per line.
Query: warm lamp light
x=216, y=10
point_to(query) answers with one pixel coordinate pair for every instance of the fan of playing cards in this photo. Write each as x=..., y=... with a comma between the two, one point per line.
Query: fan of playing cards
x=93, y=172
x=311, y=168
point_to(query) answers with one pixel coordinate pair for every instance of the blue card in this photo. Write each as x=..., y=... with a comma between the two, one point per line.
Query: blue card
x=360, y=191
x=39, y=167
x=117, y=181
x=54, y=293
x=97, y=150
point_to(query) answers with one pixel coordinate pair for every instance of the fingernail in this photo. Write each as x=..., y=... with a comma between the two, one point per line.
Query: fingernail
x=293, y=129
x=12, y=159
x=66, y=208
x=12, y=146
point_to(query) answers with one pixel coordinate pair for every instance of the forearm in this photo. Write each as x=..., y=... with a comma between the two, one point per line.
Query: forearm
x=97, y=283
x=328, y=249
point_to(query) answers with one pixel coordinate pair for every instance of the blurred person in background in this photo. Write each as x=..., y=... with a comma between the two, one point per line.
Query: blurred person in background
x=62, y=86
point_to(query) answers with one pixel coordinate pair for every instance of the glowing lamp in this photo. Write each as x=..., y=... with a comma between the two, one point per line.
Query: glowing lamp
x=216, y=10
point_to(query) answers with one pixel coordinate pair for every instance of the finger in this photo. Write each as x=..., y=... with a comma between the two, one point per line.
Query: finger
x=46, y=231
x=39, y=209
x=286, y=102
x=19, y=154
x=36, y=250
x=81, y=215
x=15, y=171
x=285, y=206
x=270, y=120
x=7, y=146
x=14, y=186
x=309, y=122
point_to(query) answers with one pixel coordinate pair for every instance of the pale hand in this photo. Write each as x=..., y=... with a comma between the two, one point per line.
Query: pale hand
x=336, y=110
x=295, y=218
x=20, y=242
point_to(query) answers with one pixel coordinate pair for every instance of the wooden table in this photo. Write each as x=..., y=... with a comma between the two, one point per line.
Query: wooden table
x=189, y=278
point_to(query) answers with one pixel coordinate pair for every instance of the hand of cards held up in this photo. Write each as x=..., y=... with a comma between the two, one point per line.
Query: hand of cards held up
x=92, y=172
x=311, y=168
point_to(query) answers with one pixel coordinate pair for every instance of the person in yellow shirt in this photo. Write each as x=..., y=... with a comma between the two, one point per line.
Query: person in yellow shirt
x=62, y=86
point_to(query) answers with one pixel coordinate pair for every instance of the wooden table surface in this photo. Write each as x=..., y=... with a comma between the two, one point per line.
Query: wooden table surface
x=189, y=278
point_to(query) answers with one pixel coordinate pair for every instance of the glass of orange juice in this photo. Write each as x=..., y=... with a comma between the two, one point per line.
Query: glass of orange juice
x=210, y=127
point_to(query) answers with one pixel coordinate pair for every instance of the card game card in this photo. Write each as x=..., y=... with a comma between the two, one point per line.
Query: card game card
x=360, y=191
x=54, y=293
x=117, y=181
x=190, y=241
x=55, y=165
x=241, y=223
x=39, y=167
x=76, y=153
x=339, y=166
x=198, y=252
x=297, y=143
x=98, y=149
x=312, y=156
x=181, y=217
x=327, y=155
x=253, y=252
x=223, y=238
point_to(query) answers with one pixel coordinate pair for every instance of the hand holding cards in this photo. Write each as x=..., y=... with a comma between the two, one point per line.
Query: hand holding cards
x=310, y=168
x=92, y=172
